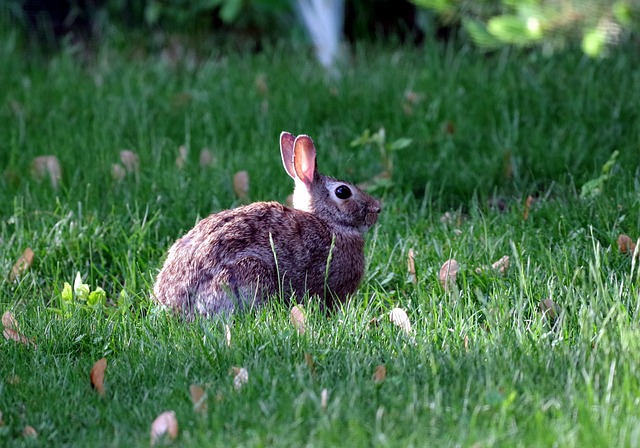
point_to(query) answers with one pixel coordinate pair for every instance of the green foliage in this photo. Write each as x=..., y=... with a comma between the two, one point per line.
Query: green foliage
x=385, y=150
x=481, y=367
x=595, y=186
x=595, y=23
x=178, y=14
x=80, y=297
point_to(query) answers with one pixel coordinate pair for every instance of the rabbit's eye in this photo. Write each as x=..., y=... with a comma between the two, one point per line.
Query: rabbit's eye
x=343, y=192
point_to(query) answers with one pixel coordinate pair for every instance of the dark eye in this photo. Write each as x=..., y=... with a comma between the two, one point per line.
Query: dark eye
x=343, y=192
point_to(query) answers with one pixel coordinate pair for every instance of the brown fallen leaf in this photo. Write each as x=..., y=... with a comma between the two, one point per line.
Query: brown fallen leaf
x=241, y=185
x=130, y=160
x=206, y=158
x=324, y=398
x=240, y=378
x=399, y=317
x=527, y=207
x=165, y=425
x=12, y=332
x=626, y=245
x=47, y=166
x=310, y=363
x=298, y=319
x=199, y=399
x=29, y=431
x=22, y=265
x=501, y=265
x=181, y=160
x=550, y=311
x=450, y=128
x=97, y=375
x=412, y=97
x=13, y=380
x=448, y=273
x=379, y=374
x=118, y=173
x=411, y=265
x=8, y=321
x=261, y=84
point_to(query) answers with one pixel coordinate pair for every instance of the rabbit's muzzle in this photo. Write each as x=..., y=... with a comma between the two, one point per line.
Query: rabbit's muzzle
x=372, y=211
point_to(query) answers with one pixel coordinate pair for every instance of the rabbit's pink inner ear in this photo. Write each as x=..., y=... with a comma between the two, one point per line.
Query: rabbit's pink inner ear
x=286, y=151
x=304, y=159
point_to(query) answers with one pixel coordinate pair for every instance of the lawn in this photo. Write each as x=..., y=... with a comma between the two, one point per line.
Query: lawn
x=480, y=366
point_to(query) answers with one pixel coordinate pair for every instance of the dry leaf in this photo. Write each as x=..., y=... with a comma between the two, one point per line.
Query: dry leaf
x=399, y=317
x=626, y=244
x=1, y=421
x=181, y=160
x=412, y=97
x=379, y=374
x=298, y=319
x=165, y=424
x=324, y=398
x=411, y=266
x=199, y=399
x=47, y=166
x=549, y=310
x=206, y=158
x=450, y=128
x=97, y=375
x=310, y=363
x=261, y=84
x=227, y=335
x=29, y=431
x=527, y=207
x=12, y=332
x=447, y=218
x=241, y=185
x=448, y=273
x=8, y=321
x=466, y=343
x=130, y=160
x=22, y=265
x=501, y=265
x=241, y=377
x=13, y=380
x=118, y=172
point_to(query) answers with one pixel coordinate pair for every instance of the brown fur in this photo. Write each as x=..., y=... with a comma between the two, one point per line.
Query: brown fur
x=239, y=258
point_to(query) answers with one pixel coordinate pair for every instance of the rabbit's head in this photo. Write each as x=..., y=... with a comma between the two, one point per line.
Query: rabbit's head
x=334, y=201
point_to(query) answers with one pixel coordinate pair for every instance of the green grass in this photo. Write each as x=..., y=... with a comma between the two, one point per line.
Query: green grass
x=522, y=125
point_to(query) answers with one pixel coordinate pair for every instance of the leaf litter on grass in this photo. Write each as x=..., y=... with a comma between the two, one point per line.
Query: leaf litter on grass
x=97, y=375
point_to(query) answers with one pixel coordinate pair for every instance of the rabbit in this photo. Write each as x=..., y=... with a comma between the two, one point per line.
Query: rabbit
x=237, y=259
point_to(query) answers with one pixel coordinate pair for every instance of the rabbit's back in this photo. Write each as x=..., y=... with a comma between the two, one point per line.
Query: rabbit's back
x=240, y=257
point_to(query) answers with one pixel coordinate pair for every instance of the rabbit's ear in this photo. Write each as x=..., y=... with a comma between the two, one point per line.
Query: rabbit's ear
x=304, y=159
x=286, y=150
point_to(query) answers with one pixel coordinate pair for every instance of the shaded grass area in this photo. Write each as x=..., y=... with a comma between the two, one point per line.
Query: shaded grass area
x=481, y=367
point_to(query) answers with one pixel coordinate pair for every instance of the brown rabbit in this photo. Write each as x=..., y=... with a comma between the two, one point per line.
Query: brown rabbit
x=239, y=258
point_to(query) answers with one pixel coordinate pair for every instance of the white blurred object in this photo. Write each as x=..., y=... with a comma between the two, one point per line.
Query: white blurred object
x=323, y=20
